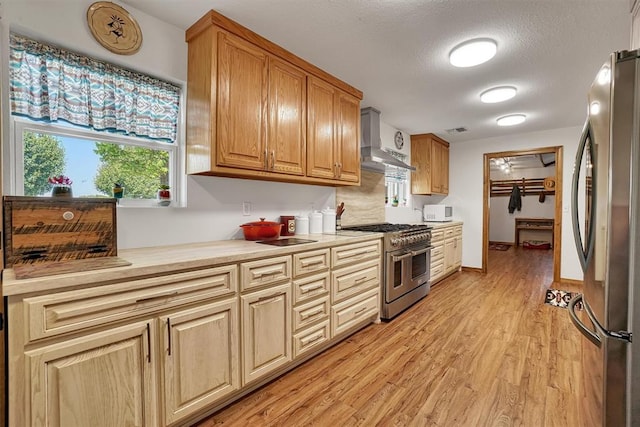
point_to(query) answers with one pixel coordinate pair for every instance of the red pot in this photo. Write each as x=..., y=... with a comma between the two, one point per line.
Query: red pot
x=261, y=230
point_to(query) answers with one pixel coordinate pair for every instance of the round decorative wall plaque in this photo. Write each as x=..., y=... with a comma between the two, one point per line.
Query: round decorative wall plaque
x=114, y=28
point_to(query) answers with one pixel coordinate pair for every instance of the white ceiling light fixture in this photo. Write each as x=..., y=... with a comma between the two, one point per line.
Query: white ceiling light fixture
x=511, y=120
x=473, y=52
x=498, y=94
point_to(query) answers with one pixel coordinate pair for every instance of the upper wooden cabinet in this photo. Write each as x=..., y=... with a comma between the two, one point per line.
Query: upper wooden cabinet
x=334, y=133
x=430, y=156
x=254, y=110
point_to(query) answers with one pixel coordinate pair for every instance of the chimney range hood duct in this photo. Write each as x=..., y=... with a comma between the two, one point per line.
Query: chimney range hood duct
x=373, y=157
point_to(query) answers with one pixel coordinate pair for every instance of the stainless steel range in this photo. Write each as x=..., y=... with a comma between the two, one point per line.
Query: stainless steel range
x=407, y=264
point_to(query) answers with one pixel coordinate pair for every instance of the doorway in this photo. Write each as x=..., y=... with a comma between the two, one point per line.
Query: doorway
x=557, y=222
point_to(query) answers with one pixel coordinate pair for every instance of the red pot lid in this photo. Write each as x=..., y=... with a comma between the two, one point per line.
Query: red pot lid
x=261, y=223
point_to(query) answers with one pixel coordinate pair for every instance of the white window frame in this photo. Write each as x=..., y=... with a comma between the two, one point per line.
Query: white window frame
x=16, y=155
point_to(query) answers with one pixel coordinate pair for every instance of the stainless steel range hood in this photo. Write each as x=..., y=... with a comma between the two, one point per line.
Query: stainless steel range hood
x=373, y=157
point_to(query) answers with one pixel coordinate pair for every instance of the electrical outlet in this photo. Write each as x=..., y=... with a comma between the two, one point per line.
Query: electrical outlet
x=246, y=208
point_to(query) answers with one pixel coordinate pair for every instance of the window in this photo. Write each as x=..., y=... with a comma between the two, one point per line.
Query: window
x=396, y=182
x=96, y=123
x=95, y=162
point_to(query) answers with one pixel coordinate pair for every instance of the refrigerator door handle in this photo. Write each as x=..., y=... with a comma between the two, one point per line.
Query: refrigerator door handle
x=585, y=249
x=588, y=333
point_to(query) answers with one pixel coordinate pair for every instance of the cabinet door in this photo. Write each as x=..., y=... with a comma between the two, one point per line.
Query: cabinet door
x=421, y=160
x=321, y=130
x=449, y=254
x=457, y=258
x=287, y=118
x=436, y=167
x=266, y=331
x=445, y=170
x=200, y=351
x=104, y=379
x=242, y=103
x=348, y=138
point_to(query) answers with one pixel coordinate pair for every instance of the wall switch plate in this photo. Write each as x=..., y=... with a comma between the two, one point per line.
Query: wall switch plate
x=246, y=208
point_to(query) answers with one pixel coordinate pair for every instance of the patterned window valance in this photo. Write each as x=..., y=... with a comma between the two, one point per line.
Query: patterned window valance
x=50, y=84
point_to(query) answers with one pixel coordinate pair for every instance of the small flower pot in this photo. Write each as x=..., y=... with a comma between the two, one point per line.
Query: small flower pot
x=164, y=197
x=61, y=190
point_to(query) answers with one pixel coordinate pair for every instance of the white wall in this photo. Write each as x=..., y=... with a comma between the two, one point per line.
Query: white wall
x=501, y=222
x=466, y=187
x=214, y=205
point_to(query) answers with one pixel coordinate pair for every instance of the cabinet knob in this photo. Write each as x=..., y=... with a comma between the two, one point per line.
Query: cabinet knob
x=68, y=216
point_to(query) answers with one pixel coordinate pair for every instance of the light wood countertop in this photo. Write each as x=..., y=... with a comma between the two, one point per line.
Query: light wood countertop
x=436, y=225
x=166, y=259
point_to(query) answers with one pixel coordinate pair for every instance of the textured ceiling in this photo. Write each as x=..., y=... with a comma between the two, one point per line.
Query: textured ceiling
x=396, y=53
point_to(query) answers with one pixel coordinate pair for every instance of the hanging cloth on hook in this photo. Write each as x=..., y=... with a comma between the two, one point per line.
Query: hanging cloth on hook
x=515, y=201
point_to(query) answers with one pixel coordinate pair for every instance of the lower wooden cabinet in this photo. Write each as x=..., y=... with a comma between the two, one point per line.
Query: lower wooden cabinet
x=446, y=254
x=266, y=331
x=200, y=354
x=103, y=379
x=160, y=351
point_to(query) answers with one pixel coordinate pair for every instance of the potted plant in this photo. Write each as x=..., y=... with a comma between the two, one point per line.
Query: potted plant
x=118, y=191
x=164, y=195
x=61, y=186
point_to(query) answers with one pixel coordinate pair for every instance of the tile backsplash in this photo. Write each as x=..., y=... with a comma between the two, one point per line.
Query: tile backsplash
x=364, y=204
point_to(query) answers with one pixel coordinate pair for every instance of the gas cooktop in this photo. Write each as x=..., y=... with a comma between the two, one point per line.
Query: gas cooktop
x=286, y=242
x=386, y=227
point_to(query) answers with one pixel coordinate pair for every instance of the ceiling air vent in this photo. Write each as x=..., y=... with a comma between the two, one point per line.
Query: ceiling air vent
x=455, y=131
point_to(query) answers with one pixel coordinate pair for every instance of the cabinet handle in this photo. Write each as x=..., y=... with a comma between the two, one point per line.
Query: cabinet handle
x=359, y=311
x=267, y=273
x=335, y=170
x=169, y=334
x=266, y=158
x=312, y=339
x=148, y=343
x=310, y=263
x=167, y=295
x=270, y=297
x=339, y=170
x=310, y=289
x=313, y=313
x=359, y=254
x=273, y=159
x=361, y=279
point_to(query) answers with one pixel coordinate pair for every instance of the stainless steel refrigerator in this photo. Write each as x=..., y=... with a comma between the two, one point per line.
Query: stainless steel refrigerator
x=605, y=208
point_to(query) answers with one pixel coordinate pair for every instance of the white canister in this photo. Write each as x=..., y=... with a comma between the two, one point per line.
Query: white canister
x=315, y=222
x=302, y=224
x=328, y=220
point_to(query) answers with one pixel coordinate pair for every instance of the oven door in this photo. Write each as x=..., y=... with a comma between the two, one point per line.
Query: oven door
x=420, y=265
x=406, y=269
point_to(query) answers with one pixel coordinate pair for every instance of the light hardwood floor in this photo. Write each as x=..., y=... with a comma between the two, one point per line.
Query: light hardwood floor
x=479, y=350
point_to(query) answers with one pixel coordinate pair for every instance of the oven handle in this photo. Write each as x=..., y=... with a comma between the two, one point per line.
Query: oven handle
x=421, y=251
x=396, y=258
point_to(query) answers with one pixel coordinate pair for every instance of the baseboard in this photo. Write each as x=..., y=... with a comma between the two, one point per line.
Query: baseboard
x=473, y=269
x=572, y=282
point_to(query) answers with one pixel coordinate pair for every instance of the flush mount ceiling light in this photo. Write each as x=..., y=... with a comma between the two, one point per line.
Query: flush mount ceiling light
x=511, y=120
x=473, y=52
x=498, y=94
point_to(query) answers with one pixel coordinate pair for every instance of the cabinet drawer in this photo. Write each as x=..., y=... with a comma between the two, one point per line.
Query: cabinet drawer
x=310, y=262
x=437, y=252
x=348, y=254
x=437, y=270
x=264, y=272
x=457, y=230
x=70, y=311
x=349, y=313
x=350, y=281
x=437, y=235
x=449, y=232
x=310, y=287
x=310, y=313
x=306, y=340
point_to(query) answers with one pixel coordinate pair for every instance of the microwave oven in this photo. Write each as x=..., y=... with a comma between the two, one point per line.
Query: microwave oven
x=437, y=213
